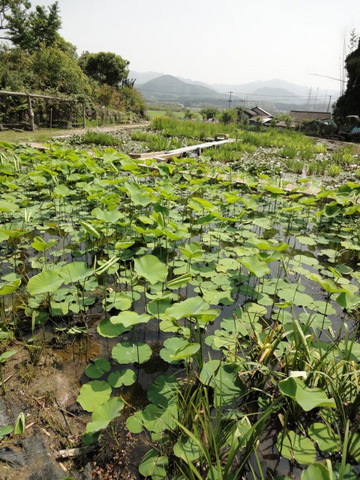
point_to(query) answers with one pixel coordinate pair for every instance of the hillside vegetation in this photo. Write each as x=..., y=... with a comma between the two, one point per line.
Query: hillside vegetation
x=35, y=58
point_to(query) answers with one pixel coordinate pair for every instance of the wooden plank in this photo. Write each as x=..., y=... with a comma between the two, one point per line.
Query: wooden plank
x=35, y=95
x=165, y=155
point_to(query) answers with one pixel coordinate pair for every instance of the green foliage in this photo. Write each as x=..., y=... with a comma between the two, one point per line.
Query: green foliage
x=105, y=67
x=30, y=30
x=349, y=102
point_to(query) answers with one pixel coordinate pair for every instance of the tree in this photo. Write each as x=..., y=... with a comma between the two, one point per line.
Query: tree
x=105, y=67
x=7, y=9
x=228, y=116
x=209, y=113
x=349, y=103
x=30, y=30
x=53, y=70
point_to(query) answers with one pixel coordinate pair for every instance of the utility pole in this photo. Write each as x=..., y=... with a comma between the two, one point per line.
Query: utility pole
x=328, y=109
x=230, y=99
x=317, y=91
x=309, y=99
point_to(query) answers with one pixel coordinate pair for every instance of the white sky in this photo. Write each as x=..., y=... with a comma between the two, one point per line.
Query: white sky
x=227, y=41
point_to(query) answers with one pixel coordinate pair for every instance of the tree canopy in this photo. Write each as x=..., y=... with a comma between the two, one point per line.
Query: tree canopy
x=349, y=103
x=38, y=59
x=105, y=67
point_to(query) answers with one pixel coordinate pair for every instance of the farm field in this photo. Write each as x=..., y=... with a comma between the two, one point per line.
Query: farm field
x=196, y=319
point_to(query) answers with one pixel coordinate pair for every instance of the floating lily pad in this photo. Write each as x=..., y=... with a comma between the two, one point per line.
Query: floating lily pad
x=104, y=413
x=121, y=378
x=93, y=394
x=292, y=445
x=154, y=465
x=128, y=352
x=98, y=368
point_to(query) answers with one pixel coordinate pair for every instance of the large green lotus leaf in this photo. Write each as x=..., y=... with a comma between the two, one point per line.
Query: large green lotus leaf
x=331, y=210
x=157, y=418
x=104, y=413
x=93, y=394
x=348, y=301
x=307, y=398
x=8, y=207
x=98, y=368
x=154, y=465
x=158, y=307
x=119, y=301
x=128, y=352
x=306, y=240
x=122, y=377
x=179, y=281
x=108, y=329
x=40, y=245
x=9, y=289
x=216, y=297
x=164, y=390
x=151, y=268
x=187, y=449
x=62, y=191
x=75, y=271
x=224, y=379
x=129, y=319
x=298, y=298
x=317, y=471
x=188, y=308
x=47, y=281
x=108, y=216
x=325, y=437
x=177, y=349
x=316, y=320
x=296, y=446
x=192, y=250
x=137, y=194
x=255, y=266
x=327, y=284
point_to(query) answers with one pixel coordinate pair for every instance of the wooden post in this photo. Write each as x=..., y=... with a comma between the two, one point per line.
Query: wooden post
x=84, y=115
x=31, y=114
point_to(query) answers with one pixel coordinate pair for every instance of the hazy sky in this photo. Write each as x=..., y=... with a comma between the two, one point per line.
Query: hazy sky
x=227, y=41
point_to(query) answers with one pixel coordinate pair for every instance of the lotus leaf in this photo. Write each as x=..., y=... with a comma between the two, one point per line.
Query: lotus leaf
x=128, y=352
x=93, y=394
x=151, y=268
x=97, y=368
x=187, y=449
x=325, y=437
x=122, y=377
x=104, y=413
x=154, y=465
x=292, y=445
x=307, y=398
x=47, y=281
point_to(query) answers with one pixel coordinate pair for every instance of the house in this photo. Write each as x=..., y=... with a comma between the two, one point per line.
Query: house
x=257, y=114
x=300, y=116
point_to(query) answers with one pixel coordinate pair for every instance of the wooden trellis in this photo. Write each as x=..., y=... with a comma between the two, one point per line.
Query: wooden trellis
x=29, y=96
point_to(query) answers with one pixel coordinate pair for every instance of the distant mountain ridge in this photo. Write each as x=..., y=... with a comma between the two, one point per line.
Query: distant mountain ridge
x=167, y=88
x=280, y=94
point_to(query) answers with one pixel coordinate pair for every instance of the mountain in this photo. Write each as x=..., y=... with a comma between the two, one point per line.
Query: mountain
x=170, y=89
x=275, y=95
x=143, y=77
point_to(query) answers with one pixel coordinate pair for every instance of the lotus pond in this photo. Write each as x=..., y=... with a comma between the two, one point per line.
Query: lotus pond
x=215, y=310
